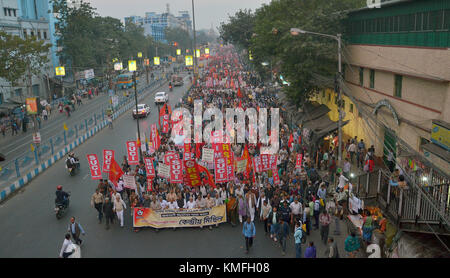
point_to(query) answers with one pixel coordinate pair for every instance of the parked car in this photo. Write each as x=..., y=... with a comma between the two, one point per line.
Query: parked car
x=143, y=111
x=161, y=97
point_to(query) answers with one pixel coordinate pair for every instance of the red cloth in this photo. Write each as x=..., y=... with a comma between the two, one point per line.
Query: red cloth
x=115, y=172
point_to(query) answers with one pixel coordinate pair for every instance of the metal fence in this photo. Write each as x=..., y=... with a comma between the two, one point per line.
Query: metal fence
x=21, y=165
x=409, y=205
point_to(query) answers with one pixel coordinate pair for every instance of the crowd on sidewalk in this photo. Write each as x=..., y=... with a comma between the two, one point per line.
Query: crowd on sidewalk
x=287, y=200
x=18, y=120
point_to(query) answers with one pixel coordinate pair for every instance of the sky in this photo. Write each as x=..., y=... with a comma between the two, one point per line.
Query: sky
x=206, y=11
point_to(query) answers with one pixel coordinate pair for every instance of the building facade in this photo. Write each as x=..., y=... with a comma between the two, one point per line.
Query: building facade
x=154, y=24
x=397, y=66
x=25, y=18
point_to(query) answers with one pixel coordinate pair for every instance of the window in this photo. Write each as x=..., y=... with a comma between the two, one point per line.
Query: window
x=398, y=86
x=35, y=89
x=45, y=35
x=18, y=92
x=24, y=33
x=5, y=10
x=361, y=76
x=426, y=21
x=39, y=34
x=423, y=141
x=14, y=11
x=372, y=78
x=9, y=12
x=447, y=20
x=351, y=108
x=335, y=99
x=1, y=98
x=329, y=97
x=32, y=33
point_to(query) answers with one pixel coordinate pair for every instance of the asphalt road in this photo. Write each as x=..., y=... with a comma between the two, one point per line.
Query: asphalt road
x=29, y=227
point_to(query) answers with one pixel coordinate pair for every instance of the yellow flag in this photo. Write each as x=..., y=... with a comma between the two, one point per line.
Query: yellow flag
x=32, y=147
x=65, y=127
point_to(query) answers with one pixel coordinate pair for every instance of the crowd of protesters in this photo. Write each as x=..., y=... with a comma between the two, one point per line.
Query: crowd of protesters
x=298, y=205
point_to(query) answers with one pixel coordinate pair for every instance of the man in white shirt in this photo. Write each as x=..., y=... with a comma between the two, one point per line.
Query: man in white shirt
x=190, y=204
x=164, y=203
x=67, y=247
x=342, y=181
x=296, y=210
x=352, y=150
x=173, y=205
x=346, y=168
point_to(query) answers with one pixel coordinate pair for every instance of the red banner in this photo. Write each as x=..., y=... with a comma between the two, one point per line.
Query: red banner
x=176, y=173
x=108, y=156
x=149, y=167
x=257, y=164
x=132, y=151
x=169, y=156
x=228, y=154
x=154, y=137
x=265, y=162
x=276, y=177
x=298, y=164
x=94, y=165
x=192, y=176
x=165, y=123
x=220, y=170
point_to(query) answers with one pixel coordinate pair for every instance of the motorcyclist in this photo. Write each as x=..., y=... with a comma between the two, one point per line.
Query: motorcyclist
x=170, y=85
x=72, y=161
x=62, y=197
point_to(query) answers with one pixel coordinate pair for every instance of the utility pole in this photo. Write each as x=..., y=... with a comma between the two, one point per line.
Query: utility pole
x=137, y=115
x=339, y=39
x=195, y=43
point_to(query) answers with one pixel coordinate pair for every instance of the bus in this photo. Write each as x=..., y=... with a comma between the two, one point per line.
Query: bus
x=125, y=81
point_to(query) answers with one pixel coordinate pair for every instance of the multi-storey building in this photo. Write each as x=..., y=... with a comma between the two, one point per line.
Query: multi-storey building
x=25, y=18
x=397, y=66
x=154, y=24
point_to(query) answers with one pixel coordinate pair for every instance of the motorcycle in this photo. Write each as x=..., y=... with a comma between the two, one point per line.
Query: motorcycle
x=60, y=209
x=73, y=170
x=170, y=88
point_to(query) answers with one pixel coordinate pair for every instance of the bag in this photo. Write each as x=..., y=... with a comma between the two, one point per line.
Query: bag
x=366, y=168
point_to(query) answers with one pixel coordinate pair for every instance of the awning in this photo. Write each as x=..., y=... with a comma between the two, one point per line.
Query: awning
x=318, y=124
x=312, y=111
x=329, y=129
x=438, y=151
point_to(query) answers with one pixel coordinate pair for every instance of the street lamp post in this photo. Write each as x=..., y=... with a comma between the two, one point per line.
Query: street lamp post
x=195, y=43
x=338, y=38
x=137, y=116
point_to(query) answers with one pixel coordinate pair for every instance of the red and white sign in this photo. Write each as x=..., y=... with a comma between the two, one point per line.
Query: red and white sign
x=176, y=172
x=169, y=156
x=94, y=165
x=163, y=170
x=165, y=125
x=257, y=165
x=276, y=177
x=265, y=162
x=273, y=161
x=298, y=164
x=154, y=137
x=149, y=184
x=132, y=151
x=37, y=138
x=220, y=170
x=108, y=156
x=149, y=167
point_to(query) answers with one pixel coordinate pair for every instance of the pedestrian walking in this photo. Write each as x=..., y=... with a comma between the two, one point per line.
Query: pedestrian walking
x=298, y=234
x=3, y=127
x=265, y=212
x=67, y=247
x=108, y=212
x=45, y=114
x=332, y=250
x=119, y=207
x=75, y=229
x=325, y=221
x=310, y=252
x=249, y=233
x=97, y=200
x=367, y=228
x=352, y=245
x=274, y=220
x=283, y=234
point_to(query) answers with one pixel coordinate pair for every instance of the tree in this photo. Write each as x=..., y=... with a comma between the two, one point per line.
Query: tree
x=180, y=36
x=298, y=59
x=20, y=56
x=239, y=30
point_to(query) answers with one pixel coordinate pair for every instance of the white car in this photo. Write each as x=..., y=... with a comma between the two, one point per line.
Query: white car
x=143, y=111
x=161, y=97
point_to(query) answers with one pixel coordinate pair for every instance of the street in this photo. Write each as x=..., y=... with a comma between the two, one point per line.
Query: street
x=30, y=228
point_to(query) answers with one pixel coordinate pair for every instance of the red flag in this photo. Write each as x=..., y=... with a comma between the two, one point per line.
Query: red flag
x=115, y=172
x=246, y=155
x=240, y=104
x=239, y=93
x=291, y=140
x=210, y=180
